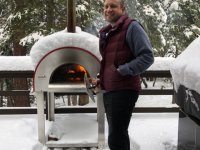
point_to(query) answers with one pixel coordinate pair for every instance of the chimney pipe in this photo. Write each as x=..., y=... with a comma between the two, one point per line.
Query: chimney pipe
x=71, y=13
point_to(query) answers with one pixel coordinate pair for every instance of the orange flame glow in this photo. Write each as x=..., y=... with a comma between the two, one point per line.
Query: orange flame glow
x=81, y=69
x=77, y=71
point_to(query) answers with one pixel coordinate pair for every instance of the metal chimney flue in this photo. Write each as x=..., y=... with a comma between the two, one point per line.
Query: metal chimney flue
x=71, y=13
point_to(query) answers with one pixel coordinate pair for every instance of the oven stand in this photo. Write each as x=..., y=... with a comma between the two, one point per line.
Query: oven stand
x=49, y=97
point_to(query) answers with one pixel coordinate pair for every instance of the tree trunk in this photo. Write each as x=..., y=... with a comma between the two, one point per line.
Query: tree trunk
x=21, y=101
x=1, y=97
x=20, y=83
x=50, y=15
x=10, y=101
x=72, y=100
x=19, y=50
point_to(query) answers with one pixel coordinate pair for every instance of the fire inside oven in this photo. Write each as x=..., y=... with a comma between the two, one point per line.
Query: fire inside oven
x=68, y=73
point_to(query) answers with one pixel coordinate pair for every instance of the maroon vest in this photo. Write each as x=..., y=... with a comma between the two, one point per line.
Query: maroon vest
x=115, y=51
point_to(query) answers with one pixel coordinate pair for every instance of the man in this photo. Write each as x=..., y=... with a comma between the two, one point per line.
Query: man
x=126, y=52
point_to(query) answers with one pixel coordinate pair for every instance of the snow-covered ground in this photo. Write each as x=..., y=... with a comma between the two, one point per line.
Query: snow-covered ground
x=148, y=131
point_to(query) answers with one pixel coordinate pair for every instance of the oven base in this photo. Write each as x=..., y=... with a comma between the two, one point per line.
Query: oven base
x=65, y=139
x=74, y=130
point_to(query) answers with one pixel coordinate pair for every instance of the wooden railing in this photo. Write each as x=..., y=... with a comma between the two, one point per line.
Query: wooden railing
x=30, y=110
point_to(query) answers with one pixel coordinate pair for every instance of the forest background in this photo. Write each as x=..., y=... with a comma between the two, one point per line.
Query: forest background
x=171, y=25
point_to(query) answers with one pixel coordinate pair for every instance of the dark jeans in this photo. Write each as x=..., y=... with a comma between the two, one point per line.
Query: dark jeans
x=119, y=107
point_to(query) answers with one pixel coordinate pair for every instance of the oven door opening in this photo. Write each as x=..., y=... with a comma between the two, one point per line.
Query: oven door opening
x=68, y=81
x=69, y=74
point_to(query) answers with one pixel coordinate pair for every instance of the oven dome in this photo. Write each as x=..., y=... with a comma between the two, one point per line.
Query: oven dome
x=63, y=39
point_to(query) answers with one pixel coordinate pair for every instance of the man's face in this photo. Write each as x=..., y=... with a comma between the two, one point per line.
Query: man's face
x=112, y=10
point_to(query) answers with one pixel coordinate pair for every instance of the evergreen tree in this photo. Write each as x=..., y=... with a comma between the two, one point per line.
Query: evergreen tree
x=171, y=25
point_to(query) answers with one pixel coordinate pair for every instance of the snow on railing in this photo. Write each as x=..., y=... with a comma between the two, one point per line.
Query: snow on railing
x=22, y=67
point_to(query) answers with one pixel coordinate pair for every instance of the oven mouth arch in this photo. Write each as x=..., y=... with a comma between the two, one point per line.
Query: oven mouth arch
x=68, y=73
x=60, y=56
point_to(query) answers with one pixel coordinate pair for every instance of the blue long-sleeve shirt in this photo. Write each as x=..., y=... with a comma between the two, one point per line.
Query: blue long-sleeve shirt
x=141, y=48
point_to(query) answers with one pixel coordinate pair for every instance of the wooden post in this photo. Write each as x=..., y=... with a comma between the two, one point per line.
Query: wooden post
x=71, y=13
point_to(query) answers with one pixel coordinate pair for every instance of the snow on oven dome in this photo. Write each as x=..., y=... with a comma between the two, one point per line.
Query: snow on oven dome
x=185, y=69
x=63, y=39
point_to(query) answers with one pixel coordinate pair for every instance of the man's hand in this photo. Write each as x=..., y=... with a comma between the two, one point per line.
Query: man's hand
x=95, y=85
